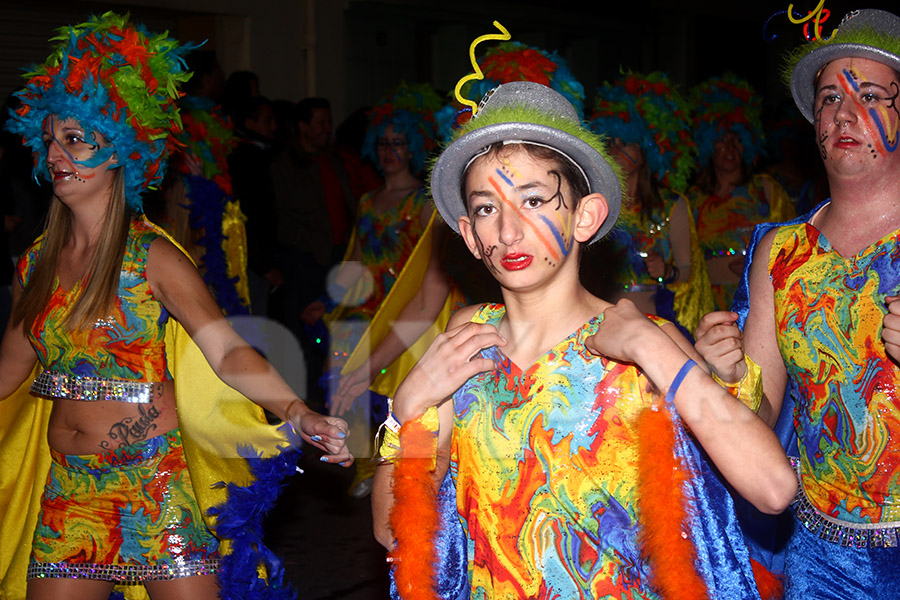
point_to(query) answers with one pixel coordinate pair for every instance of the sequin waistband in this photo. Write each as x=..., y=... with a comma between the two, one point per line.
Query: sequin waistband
x=845, y=533
x=54, y=384
x=124, y=574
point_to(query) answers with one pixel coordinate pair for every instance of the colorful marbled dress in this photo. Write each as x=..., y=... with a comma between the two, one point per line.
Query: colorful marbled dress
x=128, y=344
x=385, y=241
x=724, y=225
x=544, y=463
x=828, y=314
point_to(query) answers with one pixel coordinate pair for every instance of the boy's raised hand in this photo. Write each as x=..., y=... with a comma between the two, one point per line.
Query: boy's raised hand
x=453, y=357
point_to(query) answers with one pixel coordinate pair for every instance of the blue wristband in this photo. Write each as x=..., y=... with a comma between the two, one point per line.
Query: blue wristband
x=676, y=383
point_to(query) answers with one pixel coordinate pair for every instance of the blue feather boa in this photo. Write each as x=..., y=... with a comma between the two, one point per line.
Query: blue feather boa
x=207, y=206
x=240, y=520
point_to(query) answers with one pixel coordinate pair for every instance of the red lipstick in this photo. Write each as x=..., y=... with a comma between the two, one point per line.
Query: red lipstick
x=516, y=262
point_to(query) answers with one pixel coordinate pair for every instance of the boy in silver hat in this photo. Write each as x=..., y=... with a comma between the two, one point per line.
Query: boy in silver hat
x=546, y=463
x=823, y=320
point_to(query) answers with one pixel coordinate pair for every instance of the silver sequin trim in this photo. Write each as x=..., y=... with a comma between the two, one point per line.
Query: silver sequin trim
x=123, y=573
x=845, y=533
x=53, y=384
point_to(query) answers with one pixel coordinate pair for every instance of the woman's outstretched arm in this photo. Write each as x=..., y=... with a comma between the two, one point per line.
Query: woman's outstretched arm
x=177, y=284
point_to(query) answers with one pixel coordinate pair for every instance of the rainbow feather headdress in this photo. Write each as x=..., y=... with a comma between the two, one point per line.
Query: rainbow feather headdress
x=514, y=61
x=116, y=80
x=648, y=110
x=727, y=104
x=410, y=109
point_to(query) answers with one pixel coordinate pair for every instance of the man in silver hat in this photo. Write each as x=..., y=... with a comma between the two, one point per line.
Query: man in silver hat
x=821, y=300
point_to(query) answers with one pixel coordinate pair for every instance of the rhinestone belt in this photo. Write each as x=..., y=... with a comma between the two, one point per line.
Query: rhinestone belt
x=845, y=533
x=53, y=384
x=123, y=573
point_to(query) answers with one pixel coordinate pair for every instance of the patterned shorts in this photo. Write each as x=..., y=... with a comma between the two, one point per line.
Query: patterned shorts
x=125, y=515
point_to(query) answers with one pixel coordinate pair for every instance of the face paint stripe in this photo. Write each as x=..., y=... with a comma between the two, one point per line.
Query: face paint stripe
x=531, y=224
x=560, y=239
x=509, y=165
x=849, y=77
x=506, y=179
x=884, y=140
x=860, y=109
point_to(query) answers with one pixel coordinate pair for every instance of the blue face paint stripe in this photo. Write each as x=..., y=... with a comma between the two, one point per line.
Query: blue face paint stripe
x=561, y=242
x=851, y=80
x=884, y=140
x=506, y=179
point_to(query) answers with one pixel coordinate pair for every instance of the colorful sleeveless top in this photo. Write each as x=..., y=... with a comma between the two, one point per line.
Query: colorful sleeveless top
x=828, y=317
x=724, y=225
x=386, y=240
x=544, y=463
x=128, y=344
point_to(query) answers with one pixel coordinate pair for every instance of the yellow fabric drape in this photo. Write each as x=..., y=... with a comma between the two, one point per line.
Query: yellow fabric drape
x=404, y=289
x=235, y=246
x=694, y=297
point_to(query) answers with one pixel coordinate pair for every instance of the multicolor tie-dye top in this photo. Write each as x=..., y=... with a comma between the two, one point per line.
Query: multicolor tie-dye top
x=544, y=463
x=828, y=316
x=386, y=240
x=129, y=344
x=724, y=225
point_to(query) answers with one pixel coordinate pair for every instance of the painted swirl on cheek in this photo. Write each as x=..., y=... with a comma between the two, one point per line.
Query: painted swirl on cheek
x=488, y=255
x=823, y=137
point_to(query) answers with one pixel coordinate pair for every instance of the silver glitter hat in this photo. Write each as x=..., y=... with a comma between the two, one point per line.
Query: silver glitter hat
x=525, y=112
x=866, y=33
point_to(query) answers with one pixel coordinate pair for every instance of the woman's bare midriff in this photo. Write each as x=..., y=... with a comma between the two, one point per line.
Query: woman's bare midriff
x=79, y=427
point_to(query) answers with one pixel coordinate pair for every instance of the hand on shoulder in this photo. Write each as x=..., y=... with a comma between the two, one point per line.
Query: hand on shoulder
x=453, y=357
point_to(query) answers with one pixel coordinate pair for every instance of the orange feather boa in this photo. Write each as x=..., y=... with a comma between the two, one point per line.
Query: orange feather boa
x=414, y=516
x=661, y=510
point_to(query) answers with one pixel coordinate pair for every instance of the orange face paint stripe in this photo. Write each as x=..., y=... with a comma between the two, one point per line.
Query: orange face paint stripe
x=541, y=236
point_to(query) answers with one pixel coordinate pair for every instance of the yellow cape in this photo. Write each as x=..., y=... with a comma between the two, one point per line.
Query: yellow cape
x=694, y=297
x=405, y=287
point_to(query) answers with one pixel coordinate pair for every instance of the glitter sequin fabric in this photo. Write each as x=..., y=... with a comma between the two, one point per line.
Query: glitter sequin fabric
x=544, y=461
x=129, y=344
x=53, y=384
x=124, y=515
x=828, y=315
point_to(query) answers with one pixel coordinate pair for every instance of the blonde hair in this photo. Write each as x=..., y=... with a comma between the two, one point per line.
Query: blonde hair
x=101, y=280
